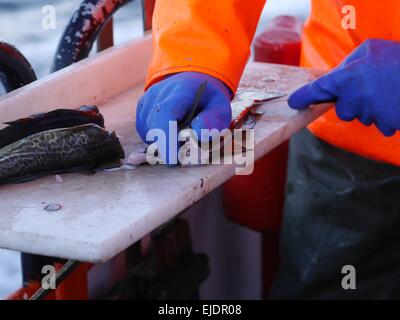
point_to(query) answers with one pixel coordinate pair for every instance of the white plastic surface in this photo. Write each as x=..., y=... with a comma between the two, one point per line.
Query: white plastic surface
x=103, y=214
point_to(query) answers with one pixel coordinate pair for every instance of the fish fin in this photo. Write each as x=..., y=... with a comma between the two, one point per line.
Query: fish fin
x=37, y=118
x=25, y=121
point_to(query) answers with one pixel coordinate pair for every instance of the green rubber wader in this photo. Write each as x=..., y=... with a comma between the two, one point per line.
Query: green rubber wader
x=341, y=209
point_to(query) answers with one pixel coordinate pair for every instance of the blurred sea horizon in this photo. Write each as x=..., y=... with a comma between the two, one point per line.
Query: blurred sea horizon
x=21, y=25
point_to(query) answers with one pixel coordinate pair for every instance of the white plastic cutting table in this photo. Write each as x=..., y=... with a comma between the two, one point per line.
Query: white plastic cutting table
x=103, y=214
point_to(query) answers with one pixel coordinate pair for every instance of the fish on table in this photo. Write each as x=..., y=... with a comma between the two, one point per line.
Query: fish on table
x=60, y=150
x=60, y=118
x=59, y=141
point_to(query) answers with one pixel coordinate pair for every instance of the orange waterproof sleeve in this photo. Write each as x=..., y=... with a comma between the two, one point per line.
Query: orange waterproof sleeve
x=208, y=36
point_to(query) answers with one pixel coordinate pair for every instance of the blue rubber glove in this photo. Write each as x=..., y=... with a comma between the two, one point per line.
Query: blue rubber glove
x=172, y=99
x=365, y=86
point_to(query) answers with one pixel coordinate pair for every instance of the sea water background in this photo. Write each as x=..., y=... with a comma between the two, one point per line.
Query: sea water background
x=21, y=25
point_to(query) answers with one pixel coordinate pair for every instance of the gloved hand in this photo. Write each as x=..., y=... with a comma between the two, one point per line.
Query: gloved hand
x=172, y=99
x=366, y=86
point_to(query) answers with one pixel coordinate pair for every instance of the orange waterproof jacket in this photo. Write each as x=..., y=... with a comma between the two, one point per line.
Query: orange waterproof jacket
x=214, y=37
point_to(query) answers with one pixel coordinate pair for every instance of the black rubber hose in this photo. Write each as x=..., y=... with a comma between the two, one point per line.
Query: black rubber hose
x=15, y=70
x=83, y=29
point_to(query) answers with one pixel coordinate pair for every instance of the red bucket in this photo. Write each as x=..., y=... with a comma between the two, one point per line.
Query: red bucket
x=257, y=200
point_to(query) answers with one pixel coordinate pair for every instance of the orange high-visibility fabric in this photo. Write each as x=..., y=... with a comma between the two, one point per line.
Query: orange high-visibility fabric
x=208, y=36
x=214, y=37
x=326, y=43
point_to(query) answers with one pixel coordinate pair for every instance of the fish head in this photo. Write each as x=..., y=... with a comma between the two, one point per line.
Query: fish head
x=102, y=141
x=89, y=108
x=93, y=113
x=94, y=133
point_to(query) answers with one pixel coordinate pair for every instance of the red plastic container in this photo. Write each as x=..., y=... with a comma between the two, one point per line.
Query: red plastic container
x=257, y=200
x=280, y=42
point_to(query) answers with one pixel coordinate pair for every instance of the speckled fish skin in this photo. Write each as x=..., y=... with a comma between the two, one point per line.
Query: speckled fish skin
x=60, y=118
x=58, y=151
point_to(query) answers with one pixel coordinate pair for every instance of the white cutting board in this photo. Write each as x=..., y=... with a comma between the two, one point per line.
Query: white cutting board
x=103, y=214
